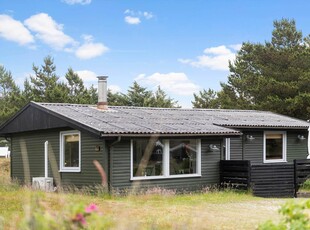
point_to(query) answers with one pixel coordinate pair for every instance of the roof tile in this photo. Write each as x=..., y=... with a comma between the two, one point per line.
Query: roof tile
x=141, y=120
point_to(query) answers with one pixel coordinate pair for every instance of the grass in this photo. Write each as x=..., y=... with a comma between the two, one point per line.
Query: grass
x=211, y=210
x=305, y=187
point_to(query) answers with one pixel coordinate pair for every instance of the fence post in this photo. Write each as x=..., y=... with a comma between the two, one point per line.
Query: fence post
x=295, y=179
x=249, y=175
x=221, y=173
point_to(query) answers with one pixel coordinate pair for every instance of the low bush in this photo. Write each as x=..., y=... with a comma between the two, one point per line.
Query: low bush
x=305, y=186
x=73, y=216
x=296, y=216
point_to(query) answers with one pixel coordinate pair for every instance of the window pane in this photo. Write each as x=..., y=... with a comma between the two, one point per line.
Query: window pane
x=71, y=150
x=183, y=157
x=274, y=146
x=147, y=158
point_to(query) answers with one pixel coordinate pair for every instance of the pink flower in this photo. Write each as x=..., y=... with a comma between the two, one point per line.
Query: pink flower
x=91, y=208
x=80, y=218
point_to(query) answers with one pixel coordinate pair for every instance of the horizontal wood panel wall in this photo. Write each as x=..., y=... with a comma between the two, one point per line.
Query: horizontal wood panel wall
x=253, y=150
x=120, y=170
x=296, y=149
x=273, y=180
x=31, y=146
x=236, y=148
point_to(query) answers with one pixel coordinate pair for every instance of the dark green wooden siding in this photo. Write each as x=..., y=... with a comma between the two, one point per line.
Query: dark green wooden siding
x=236, y=148
x=296, y=149
x=120, y=169
x=28, y=156
x=253, y=150
x=30, y=147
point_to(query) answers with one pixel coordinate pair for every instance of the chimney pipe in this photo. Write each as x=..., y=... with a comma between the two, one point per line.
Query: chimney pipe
x=102, y=93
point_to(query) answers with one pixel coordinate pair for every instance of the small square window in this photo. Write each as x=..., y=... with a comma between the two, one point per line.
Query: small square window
x=70, y=151
x=274, y=147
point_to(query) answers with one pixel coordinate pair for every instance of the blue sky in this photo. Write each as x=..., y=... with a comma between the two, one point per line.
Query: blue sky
x=182, y=45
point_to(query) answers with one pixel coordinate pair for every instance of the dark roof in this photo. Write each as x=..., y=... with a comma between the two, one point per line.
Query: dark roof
x=141, y=120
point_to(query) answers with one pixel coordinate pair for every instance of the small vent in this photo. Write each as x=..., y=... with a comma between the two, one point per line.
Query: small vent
x=43, y=183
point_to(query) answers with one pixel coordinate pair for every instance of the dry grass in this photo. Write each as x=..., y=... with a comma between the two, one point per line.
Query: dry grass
x=4, y=170
x=212, y=210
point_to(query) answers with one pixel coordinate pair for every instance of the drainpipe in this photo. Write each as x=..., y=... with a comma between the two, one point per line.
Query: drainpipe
x=46, y=159
x=119, y=138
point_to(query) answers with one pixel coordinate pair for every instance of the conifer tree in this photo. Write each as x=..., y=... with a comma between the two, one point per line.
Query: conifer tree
x=273, y=76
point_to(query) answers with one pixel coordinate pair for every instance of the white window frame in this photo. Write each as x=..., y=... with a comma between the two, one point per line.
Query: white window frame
x=227, y=149
x=166, y=163
x=61, y=152
x=284, y=146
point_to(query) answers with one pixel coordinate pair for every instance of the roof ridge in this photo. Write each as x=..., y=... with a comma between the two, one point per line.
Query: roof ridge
x=188, y=109
x=61, y=104
x=154, y=108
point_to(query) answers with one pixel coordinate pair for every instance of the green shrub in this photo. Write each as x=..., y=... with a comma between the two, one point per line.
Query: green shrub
x=295, y=217
x=305, y=185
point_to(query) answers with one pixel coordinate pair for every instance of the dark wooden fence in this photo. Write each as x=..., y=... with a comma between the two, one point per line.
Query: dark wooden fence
x=265, y=180
x=302, y=172
x=236, y=174
x=273, y=180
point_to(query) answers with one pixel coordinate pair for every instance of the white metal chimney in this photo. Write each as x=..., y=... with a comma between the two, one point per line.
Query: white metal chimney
x=102, y=93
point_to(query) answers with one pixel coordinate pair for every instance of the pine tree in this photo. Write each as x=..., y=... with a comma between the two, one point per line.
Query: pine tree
x=206, y=99
x=78, y=93
x=44, y=85
x=273, y=76
x=138, y=96
x=161, y=100
x=10, y=95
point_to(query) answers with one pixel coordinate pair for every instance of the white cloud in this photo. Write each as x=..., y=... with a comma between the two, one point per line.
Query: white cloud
x=215, y=58
x=90, y=78
x=87, y=37
x=114, y=88
x=185, y=61
x=148, y=15
x=49, y=31
x=132, y=20
x=176, y=83
x=14, y=30
x=91, y=50
x=128, y=11
x=87, y=75
x=236, y=47
x=219, y=50
x=135, y=18
x=82, y=2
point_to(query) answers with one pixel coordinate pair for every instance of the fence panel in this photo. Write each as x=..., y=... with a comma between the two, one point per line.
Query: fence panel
x=235, y=173
x=273, y=180
x=302, y=172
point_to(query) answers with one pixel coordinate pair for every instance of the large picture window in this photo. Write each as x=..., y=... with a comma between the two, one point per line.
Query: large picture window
x=183, y=155
x=70, y=151
x=157, y=158
x=274, y=146
x=147, y=158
